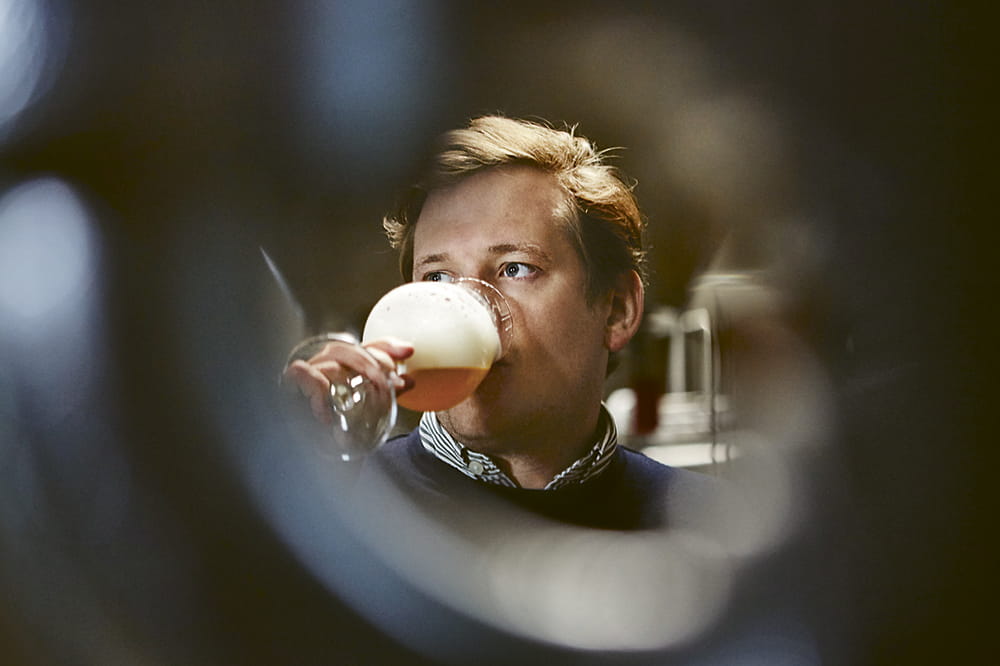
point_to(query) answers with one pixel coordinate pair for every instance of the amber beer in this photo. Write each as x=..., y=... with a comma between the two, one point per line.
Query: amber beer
x=435, y=389
x=454, y=335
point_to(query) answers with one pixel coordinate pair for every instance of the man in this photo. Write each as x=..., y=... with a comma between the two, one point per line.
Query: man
x=534, y=211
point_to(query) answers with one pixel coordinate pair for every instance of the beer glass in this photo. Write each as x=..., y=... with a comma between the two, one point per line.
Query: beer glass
x=458, y=330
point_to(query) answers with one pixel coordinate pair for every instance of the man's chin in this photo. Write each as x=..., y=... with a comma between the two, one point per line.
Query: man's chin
x=472, y=421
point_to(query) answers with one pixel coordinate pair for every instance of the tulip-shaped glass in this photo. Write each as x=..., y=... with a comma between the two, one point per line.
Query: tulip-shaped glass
x=458, y=330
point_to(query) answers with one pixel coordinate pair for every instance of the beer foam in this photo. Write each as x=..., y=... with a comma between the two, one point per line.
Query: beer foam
x=449, y=326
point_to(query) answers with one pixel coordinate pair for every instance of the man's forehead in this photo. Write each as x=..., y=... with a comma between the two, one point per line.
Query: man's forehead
x=536, y=235
x=501, y=187
x=515, y=208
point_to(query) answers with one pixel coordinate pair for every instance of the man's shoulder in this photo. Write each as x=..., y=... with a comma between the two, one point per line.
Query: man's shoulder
x=400, y=443
x=399, y=451
x=639, y=464
x=405, y=458
x=673, y=482
x=685, y=494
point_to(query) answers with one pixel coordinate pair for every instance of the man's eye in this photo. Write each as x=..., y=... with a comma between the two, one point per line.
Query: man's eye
x=438, y=276
x=516, y=269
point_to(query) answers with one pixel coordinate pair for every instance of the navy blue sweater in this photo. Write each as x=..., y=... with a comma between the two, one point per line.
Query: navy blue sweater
x=633, y=493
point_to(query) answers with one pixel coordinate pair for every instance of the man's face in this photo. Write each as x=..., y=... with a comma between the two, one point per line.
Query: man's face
x=502, y=225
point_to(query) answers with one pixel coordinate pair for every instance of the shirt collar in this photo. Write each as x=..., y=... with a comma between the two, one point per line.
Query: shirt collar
x=479, y=466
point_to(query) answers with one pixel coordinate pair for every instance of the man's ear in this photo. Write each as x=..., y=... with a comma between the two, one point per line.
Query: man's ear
x=627, y=300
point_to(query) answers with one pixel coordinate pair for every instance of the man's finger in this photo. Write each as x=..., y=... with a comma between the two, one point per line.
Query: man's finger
x=320, y=407
x=397, y=348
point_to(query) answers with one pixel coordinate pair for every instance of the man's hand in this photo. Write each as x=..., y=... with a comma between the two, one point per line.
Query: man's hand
x=375, y=360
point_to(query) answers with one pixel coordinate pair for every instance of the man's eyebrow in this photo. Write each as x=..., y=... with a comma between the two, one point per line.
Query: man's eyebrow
x=527, y=248
x=431, y=259
x=494, y=250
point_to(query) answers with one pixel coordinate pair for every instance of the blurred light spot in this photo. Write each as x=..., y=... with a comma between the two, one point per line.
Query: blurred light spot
x=642, y=591
x=368, y=74
x=23, y=46
x=656, y=65
x=46, y=250
x=729, y=150
x=760, y=506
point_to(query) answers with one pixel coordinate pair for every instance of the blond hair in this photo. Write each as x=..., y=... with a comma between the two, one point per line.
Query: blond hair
x=602, y=215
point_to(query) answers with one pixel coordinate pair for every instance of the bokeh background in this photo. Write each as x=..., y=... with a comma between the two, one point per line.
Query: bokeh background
x=149, y=150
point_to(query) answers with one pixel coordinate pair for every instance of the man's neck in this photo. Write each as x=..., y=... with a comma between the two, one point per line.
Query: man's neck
x=528, y=471
x=532, y=459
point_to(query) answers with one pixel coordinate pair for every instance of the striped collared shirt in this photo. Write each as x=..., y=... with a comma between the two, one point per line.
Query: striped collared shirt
x=479, y=466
